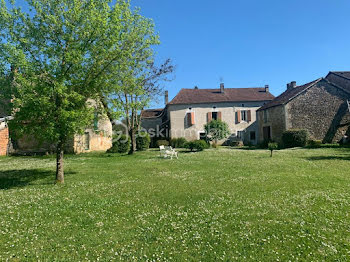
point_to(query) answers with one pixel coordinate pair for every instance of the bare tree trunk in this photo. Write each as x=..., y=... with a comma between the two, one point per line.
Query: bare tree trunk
x=59, y=163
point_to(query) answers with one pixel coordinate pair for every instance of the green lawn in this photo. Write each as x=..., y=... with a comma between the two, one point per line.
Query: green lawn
x=221, y=204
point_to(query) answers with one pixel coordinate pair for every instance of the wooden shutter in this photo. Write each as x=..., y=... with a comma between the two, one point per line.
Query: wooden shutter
x=219, y=115
x=192, y=118
x=249, y=117
x=238, y=116
x=210, y=116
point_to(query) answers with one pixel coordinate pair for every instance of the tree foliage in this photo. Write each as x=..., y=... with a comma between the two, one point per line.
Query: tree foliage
x=137, y=80
x=216, y=130
x=58, y=56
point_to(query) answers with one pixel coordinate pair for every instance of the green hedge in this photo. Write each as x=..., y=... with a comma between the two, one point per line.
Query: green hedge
x=294, y=138
x=143, y=141
x=162, y=143
x=178, y=142
x=198, y=145
x=121, y=144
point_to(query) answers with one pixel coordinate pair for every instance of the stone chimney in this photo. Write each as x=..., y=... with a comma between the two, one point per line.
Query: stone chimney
x=292, y=84
x=266, y=88
x=166, y=97
x=222, y=88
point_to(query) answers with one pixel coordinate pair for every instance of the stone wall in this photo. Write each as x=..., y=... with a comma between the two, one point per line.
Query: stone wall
x=4, y=139
x=321, y=110
x=94, y=140
x=275, y=119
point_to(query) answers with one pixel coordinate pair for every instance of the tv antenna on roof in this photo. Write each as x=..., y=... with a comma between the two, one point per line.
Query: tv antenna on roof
x=221, y=79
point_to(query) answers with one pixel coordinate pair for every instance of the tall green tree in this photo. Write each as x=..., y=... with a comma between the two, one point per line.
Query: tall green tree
x=136, y=81
x=60, y=53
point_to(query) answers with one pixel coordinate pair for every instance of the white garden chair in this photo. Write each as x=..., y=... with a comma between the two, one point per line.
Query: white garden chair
x=168, y=151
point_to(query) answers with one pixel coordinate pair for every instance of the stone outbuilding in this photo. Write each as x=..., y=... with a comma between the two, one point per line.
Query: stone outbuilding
x=97, y=137
x=320, y=107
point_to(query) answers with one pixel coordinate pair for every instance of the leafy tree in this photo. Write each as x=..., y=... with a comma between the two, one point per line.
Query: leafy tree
x=136, y=81
x=216, y=130
x=134, y=87
x=60, y=55
x=272, y=146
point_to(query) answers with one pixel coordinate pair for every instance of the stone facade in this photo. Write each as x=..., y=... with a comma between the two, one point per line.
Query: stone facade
x=321, y=109
x=229, y=112
x=98, y=137
x=271, y=123
x=93, y=140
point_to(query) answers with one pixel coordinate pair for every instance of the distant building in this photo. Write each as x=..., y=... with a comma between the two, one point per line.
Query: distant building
x=186, y=115
x=97, y=137
x=320, y=107
x=4, y=137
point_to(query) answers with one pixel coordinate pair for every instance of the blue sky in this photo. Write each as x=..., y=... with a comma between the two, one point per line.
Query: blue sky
x=249, y=43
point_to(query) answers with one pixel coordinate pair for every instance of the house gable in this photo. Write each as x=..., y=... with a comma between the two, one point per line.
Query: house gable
x=320, y=109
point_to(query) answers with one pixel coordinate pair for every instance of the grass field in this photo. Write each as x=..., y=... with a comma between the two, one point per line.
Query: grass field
x=220, y=204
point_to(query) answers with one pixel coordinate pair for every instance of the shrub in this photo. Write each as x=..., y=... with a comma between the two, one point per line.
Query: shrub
x=162, y=143
x=143, y=141
x=120, y=144
x=198, y=145
x=272, y=146
x=216, y=130
x=294, y=138
x=178, y=142
x=312, y=143
x=236, y=143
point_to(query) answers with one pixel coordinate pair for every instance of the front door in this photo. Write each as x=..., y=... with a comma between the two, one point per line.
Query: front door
x=267, y=133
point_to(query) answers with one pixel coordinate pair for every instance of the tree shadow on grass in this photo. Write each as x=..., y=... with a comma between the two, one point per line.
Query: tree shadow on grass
x=337, y=157
x=24, y=177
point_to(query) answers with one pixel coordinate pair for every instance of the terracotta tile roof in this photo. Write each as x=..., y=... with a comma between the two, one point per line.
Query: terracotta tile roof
x=197, y=96
x=152, y=113
x=288, y=95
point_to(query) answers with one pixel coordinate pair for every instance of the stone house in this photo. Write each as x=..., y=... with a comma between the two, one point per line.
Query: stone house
x=97, y=137
x=320, y=107
x=186, y=115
